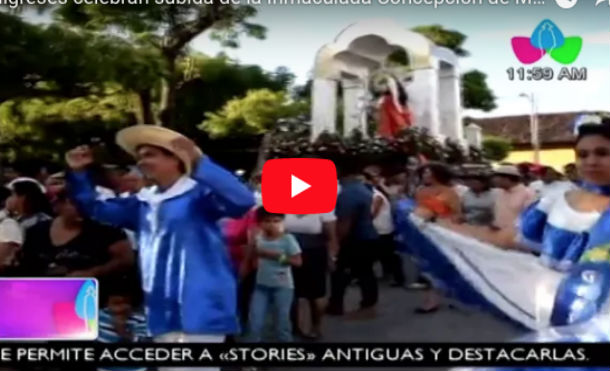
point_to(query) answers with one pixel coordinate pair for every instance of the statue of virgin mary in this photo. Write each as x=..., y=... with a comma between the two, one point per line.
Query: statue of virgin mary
x=394, y=114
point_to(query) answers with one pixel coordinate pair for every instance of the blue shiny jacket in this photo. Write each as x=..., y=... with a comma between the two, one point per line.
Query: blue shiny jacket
x=586, y=289
x=187, y=277
x=556, y=231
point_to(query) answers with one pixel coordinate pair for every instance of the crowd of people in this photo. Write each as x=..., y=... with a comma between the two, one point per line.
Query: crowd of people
x=185, y=252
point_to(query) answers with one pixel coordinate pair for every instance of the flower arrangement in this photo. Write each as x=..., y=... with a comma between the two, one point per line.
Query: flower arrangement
x=291, y=138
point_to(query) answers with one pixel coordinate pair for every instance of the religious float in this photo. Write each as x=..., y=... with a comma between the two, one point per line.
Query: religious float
x=385, y=94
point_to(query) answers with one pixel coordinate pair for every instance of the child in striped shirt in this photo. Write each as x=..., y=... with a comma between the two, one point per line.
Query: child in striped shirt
x=122, y=320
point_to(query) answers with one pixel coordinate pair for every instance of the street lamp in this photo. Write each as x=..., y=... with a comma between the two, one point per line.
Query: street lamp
x=534, y=129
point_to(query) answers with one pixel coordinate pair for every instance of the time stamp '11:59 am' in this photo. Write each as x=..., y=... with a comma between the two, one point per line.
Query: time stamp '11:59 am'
x=547, y=74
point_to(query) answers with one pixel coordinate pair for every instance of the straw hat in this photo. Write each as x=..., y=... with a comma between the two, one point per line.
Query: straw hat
x=135, y=136
x=507, y=170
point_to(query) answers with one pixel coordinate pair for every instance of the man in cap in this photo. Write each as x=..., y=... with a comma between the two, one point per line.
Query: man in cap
x=186, y=272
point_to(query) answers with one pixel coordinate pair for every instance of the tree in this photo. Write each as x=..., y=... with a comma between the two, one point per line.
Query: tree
x=496, y=148
x=214, y=81
x=45, y=127
x=168, y=29
x=443, y=37
x=475, y=91
x=55, y=61
x=256, y=113
x=60, y=87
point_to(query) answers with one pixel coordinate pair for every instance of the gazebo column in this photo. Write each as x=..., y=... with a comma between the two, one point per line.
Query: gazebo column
x=423, y=99
x=474, y=135
x=450, y=103
x=323, y=107
x=354, y=114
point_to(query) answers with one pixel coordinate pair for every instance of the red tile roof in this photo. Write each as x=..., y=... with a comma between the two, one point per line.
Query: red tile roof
x=555, y=128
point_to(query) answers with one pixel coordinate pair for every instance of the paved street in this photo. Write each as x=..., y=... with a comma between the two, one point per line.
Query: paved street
x=396, y=322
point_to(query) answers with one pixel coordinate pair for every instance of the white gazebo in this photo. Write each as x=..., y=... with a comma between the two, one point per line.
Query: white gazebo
x=431, y=78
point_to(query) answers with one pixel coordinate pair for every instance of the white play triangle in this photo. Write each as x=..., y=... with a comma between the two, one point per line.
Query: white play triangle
x=297, y=186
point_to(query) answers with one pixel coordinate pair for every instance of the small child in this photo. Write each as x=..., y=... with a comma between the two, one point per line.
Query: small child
x=122, y=320
x=277, y=253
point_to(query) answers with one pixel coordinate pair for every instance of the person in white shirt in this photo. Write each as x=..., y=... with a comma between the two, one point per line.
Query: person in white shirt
x=384, y=225
x=550, y=182
x=316, y=234
x=11, y=237
x=460, y=189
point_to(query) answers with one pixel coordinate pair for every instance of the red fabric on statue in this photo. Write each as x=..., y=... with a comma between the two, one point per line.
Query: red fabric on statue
x=392, y=119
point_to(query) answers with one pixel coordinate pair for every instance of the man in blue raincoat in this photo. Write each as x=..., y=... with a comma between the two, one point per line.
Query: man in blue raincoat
x=186, y=273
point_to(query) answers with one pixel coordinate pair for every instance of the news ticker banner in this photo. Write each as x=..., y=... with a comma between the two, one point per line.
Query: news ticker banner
x=48, y=309
x=309, y=355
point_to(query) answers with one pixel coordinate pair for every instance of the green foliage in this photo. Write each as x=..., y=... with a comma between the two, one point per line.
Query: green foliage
x=291, y=138
x=496, y=148
x=304, y=91
x=255, y=113
x=443, y=37
x=213, y=82
x=476, y=93
x=53, y=60
x=166, y=26
x=60, y=87
x=44, y=128
x=398, y=57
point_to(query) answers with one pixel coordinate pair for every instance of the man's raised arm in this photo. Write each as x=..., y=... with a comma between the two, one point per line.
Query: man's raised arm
x=119, y=212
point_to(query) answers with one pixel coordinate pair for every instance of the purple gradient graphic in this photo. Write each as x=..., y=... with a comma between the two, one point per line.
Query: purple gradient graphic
x=44, y=309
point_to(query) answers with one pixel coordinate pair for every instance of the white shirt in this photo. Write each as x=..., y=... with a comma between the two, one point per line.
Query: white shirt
x=559, y=186
x=383, y=222
x=10, y=231
x=104, y=194
x=461, y=190
x=537, y=186
x=308, y=224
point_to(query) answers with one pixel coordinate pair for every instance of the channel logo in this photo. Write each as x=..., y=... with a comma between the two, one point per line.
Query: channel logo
x=299, y=186
x=547, y=38
x=48, y=309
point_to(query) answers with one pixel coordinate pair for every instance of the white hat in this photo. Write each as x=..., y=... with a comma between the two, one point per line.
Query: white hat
x=135, y=136
x=11, y=184
x=507, y=170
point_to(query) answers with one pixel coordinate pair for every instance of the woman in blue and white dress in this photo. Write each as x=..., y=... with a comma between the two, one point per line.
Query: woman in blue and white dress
x=556, y=226
x=581, y=311
x=571, y=230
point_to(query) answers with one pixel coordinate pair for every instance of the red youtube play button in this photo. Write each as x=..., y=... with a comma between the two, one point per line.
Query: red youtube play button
x=299, y=186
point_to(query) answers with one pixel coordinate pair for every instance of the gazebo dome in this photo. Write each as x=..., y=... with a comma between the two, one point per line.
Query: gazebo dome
x=367, y=44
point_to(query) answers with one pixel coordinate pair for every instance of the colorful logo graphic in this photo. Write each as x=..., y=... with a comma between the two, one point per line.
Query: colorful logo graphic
x=49, y=309
x=547, y=38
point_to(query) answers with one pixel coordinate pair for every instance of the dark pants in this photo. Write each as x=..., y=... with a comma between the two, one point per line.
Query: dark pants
x=244, y=296
x=355, y=261
x=389, y=258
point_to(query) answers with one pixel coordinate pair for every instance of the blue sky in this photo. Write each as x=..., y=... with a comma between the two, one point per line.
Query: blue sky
x=296, y=32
